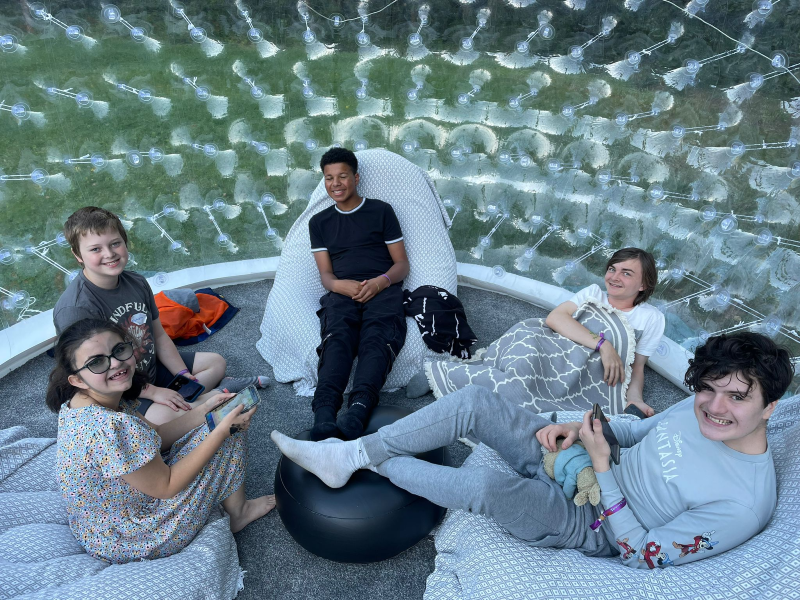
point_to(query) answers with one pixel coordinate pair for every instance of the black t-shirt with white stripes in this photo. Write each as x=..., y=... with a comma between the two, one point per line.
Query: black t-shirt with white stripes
x=357, y=240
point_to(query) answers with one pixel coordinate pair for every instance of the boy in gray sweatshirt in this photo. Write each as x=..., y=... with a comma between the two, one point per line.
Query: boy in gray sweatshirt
x=692, y=482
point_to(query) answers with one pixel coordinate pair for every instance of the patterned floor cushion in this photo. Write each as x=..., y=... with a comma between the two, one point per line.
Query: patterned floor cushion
x=479, y=559
x=40, y=558
x=290, y=328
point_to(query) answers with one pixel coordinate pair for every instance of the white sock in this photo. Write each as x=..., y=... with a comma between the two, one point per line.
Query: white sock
x=332, y=460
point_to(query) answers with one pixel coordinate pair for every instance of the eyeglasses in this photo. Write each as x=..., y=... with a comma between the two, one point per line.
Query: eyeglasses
x=101, y=364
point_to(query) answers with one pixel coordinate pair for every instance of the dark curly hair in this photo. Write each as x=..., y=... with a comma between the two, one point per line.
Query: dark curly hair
x=649, y=272
x=754, y=356
x=339, y=155
x=59, y=389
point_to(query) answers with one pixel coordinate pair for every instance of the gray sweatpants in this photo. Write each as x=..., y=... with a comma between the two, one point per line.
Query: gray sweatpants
x=532, y=508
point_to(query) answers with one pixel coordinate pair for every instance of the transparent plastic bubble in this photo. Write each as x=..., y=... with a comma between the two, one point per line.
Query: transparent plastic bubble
x=661, y=264
x=309, y=37
x=178, y=9
x=21, y=111
x=504, y=157
x=547, y=31
x=467, y=43
x=728, y=224
x=678, y=131
x=448, y=202
x=583, y=232
x=29, y=249
x=224, y=240
x=210, y=150
x=68, y=278
x=50, y=91
x=255, y=35
x=360, y=145
x=554, y=165
x=308, y=92
x=529, y=253
x=145, y=96
x=8, y=43
x=362, y=39
x=525, y=161
x=337, y=21
x=463, y=99
x=486, y=241
x=218, y=204
x=155, y=155
x=198, y=34
x=737, y=148
x=567, y=111
x=759, y=218
x=621, y=119
x=84, y=99
x=412, y=94
x=537, y=219
x=271, y=234
x=40, y=177
x=98, y=161
x=514, y=102
x=779, y=60
x=576, y=52
x=134, y=158
x=633, y=58
x=655, y=192
x=604, y=176
x=764, y=237
x=794, y=169
x=38, y=10
x=676, y=273
x=61, y=240
x=138, y=34
x=202, y=93
x=311, y=144
x=692, y=66
x=262, y=148
x=457, y=153
x=6, y=256
x=409, y=146
x=361, y=92
x=20, y=299
x=73, y=32
x=762, y=7
x=708, y=213
x=722, y=297
x=257, y=92
x=498, y=271
x=570, y=266
x=176, y=246
x=170, y=210
x=268, y=199
x=160, y=278
x=415, y=40
x=771, y=326
x=243, y=10
x=492, y=209
x=703, y=335
x=522, y=47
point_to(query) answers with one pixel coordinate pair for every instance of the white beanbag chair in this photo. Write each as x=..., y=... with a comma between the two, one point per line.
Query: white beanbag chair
x=477, y=558
x=290, y=328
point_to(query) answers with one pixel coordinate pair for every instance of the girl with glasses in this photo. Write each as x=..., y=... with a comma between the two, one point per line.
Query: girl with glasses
x=125, y=499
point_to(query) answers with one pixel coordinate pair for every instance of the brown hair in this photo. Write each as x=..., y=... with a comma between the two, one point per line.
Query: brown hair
x=649, y=272
x=91, y=219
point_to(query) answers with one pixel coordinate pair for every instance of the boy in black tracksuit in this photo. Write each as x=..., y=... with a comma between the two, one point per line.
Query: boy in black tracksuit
x=359, y=250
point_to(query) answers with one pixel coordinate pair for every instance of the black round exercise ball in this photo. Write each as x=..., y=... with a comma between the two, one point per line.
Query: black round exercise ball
x=368, y=520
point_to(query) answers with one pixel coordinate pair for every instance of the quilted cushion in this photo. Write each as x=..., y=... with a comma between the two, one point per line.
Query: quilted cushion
x=290, y=328
x=478, y=559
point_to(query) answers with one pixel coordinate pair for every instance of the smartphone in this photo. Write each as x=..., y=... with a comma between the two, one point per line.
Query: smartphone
x=608, y=433
x=248, y=396
x=189, y=389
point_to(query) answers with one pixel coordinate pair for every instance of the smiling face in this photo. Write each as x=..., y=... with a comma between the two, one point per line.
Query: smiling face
x=727, y=412
x=104, y=256
x=106, y=388
x=340, y=183
x=624, y=282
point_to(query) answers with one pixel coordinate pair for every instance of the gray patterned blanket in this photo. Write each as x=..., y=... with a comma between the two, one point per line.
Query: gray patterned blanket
x=535, y=367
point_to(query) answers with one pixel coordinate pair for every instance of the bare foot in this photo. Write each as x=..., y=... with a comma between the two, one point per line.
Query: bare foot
x=252, y=510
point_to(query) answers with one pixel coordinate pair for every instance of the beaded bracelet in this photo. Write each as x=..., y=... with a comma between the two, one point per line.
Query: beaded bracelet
x=607, y=513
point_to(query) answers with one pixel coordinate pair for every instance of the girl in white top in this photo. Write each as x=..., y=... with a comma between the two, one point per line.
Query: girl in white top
x=630, y=280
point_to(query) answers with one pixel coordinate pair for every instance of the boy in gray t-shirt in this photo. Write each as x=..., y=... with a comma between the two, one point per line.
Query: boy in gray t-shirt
x=104, y=289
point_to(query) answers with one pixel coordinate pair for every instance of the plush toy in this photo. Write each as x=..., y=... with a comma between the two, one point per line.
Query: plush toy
x=572, y=469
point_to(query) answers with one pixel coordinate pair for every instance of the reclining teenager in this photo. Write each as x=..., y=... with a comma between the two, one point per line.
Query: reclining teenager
x=692, y=482
x=578, y=356
x=124, y=501
x=359, y=251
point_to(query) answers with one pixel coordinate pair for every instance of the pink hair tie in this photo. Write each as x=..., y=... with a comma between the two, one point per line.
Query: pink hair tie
x=600, y=343
x=387, y=278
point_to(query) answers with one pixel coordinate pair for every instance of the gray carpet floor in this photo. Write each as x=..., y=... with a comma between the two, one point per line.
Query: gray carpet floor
x=276, y=566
